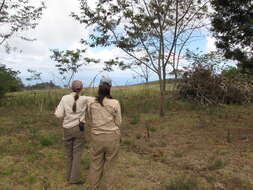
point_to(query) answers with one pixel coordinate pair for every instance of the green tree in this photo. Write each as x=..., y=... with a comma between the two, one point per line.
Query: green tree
x=35, y=75
x=9, y=81
x=231, y=72
x=69, y=63
x=43, y=85
x=150, y=32
x=17, y=16
x=232, y=24
x=214, y=60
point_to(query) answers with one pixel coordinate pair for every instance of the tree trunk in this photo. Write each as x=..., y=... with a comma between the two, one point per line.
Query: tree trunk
x=162, y=106
x=146, y=79
x=162, y=96
x=72, y=74
x=176, y=75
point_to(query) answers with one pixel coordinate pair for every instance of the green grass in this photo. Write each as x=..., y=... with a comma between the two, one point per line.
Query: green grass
x=7, y=172
x=184, y=183
x=216, y=164
x=177, y=154
x=49, y=140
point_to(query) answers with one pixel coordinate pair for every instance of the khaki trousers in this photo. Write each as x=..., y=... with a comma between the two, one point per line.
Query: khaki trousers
x=104, y=153
x=73, y=142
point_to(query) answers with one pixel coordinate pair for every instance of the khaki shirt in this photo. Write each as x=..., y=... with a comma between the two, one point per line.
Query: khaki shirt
x=64, y=110
x=104, y=119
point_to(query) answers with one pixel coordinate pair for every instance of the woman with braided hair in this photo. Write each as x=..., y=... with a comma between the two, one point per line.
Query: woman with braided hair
x=72, y=109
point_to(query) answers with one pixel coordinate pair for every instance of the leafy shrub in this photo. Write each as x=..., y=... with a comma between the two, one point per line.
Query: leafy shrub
x=127, y=142
x=43, y=85
x=48, y=141
x=216, y=165
x=9, y=81
x=183, y=183
x=32, y=179
x=231, y=73
x=7, y=172
x=135, y=119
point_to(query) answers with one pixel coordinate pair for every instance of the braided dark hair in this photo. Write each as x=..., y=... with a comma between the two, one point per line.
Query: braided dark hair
x=74, y=105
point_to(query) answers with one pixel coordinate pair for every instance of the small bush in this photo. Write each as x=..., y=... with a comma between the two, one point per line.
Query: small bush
x=216, y=165
x=127, y=142
x=7, y=172
x=47, y=141
x=32, y=179
x=184, y=183
x=34, y=156
x=135, y=119
x=9, y=81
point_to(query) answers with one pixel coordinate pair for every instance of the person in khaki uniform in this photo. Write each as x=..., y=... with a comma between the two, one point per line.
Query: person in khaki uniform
x=105, y=117
x=72, y=109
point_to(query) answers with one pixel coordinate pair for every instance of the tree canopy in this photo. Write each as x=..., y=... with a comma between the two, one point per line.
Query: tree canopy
x=232, y=24
x=69, y=62
x=9, y=80
x=17, y=16
x=150, y=32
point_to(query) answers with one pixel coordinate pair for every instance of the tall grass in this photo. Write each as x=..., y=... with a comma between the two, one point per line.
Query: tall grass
x=137, y=99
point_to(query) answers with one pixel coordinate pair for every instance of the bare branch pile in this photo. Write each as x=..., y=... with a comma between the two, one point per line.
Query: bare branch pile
x=202, y=85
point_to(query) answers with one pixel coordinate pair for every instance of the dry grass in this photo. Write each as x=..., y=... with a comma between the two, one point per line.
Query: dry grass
x=187, y=150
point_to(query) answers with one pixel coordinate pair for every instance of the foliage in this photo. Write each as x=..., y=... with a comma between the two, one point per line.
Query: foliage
x=9, y=81
x=204, y=84
x=35, y=75
x=231, y=72
x=213, y=59
x=70, y=61
x=184, y=183
x=150, y=32
x=175, y=150
x=17, y=16
x=48, y=140
x=216, y=164
x=43, y=85
x=201, y=84
x=232, y=26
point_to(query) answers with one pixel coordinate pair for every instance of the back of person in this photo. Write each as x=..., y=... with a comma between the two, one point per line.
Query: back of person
x=65, y=110
x=105, y=116
x=72, y=109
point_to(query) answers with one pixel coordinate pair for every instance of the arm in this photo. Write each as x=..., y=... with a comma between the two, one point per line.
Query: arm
x=87, y=101
x=83, y=116
x=118, y=118
x=59, y=111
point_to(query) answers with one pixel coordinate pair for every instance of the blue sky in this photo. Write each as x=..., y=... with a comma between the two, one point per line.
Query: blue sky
x=57, y=29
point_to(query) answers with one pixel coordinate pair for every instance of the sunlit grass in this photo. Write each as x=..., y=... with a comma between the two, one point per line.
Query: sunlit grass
x=156, y=154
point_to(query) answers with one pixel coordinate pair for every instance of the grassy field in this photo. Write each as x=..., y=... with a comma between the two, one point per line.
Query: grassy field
x=192, y=148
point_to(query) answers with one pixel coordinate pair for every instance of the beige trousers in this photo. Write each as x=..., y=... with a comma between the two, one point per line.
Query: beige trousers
x=73, y=142
x=104, y=153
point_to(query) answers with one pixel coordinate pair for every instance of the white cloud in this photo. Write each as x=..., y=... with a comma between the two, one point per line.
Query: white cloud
x=57, y=29
x=210, y=46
